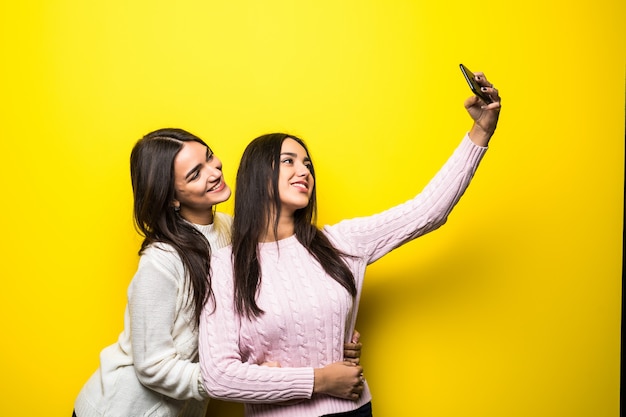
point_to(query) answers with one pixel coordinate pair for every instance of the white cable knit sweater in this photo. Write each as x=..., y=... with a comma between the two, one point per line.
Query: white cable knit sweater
x=307, y=313
x=152, y=370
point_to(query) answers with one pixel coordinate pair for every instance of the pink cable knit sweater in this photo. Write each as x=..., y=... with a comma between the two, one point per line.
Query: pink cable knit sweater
x=307, y=313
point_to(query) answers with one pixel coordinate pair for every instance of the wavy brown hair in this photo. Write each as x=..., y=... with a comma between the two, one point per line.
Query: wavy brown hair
x=257, y=206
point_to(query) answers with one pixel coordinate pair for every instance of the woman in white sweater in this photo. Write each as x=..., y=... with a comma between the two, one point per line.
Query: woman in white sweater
x=152, y=369
x=287, y=291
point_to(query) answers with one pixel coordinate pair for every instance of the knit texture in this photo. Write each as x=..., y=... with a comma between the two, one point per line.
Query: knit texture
x=152, y=370
x=308, y=315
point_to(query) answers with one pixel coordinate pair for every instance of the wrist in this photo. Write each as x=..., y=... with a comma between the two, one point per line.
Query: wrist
x=318, y=381
x=479, y=136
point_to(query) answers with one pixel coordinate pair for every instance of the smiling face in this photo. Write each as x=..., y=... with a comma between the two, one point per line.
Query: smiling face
x=198, y=182
x=295, y=181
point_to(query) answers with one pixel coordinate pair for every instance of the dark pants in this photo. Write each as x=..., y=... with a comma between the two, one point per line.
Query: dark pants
x=363, y=411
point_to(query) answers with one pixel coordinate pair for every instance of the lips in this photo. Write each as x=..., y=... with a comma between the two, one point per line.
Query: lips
x=217, y=187
x=302, y=185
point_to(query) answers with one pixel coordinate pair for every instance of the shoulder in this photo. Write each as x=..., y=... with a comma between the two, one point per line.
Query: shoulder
x=160, y=259
x=223, y=218
x=219, y=232
x=339, y=234
x=159, y=251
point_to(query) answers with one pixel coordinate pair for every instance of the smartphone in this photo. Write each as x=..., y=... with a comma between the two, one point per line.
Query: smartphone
x=474, y=86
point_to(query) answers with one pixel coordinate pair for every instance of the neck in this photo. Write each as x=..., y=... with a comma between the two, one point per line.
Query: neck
x=286, y=228
x=202, y=218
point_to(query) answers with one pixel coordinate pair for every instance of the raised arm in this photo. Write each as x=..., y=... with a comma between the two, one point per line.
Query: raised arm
x=376, y=235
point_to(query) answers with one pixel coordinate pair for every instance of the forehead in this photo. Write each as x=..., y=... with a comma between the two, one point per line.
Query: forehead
x=292, y=146
x=190, y=154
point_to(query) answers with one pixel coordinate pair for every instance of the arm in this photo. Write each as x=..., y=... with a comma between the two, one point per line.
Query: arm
x=374, y=236
x=335, y=379
x=227, y=375
x=159, y=363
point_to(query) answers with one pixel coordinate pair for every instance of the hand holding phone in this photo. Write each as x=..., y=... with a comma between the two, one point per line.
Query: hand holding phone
x=473, y=84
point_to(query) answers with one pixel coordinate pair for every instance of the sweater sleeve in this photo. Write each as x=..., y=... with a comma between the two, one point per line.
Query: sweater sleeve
x=374, y=236
x=155, y=302
x=225, y=372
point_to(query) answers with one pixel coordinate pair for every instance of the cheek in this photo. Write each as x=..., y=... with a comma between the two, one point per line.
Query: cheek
x=180, y=189
x=197, y=191
x=188, y=192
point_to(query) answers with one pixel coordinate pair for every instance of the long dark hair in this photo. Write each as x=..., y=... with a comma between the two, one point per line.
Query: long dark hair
x=152, y=177
x=257, y=205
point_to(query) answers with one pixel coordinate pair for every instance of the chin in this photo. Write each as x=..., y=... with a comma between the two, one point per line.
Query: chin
x=221, y=196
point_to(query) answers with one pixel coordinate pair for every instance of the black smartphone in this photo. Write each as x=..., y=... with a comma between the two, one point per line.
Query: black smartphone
x=469, y=76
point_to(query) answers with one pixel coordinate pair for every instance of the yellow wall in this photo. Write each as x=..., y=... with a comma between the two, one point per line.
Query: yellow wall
x=511, y=309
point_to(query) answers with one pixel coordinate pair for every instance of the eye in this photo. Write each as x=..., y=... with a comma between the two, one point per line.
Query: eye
x=287, y=160
x=194, y=176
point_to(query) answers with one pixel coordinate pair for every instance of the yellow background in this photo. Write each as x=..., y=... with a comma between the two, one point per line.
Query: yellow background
x=511, y=309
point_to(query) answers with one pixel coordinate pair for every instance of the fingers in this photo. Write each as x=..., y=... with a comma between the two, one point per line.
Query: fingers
x=354, y=361
x=492, y=92
x=360, y=383
x=488, y=88
x=358, y=388
x=358, y=370
x=482, y=79
x=352, y=351
x=485, y=115
x=339, y=379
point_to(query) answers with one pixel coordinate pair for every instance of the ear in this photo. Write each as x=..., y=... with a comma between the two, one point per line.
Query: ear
x=176, y=205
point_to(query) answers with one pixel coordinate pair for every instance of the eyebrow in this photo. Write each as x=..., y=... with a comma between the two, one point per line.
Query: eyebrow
x=295, y=155
x=193, y=170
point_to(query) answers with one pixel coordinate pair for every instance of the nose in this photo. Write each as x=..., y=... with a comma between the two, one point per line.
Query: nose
x=302, y=170
x=214, y=170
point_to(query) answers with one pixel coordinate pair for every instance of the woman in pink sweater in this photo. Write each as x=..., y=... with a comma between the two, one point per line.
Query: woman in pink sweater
x=288, y=292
